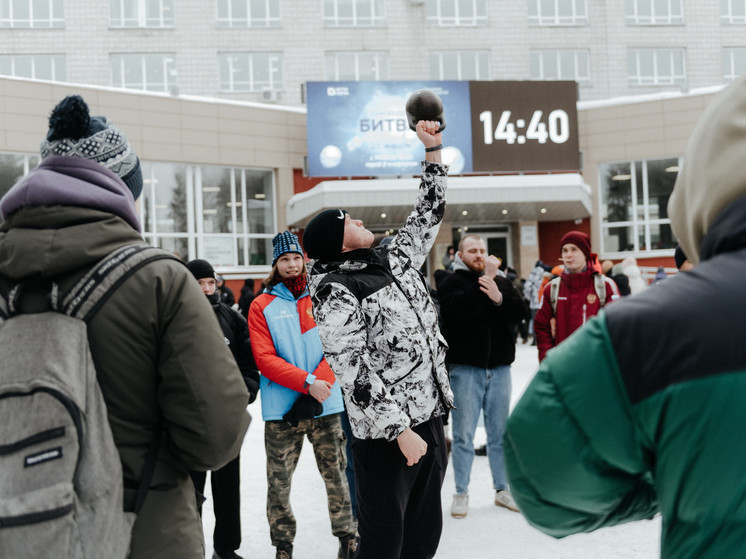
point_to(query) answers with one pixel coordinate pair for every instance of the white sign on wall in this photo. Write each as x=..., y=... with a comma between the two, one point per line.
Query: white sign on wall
x=529, y=235
x=219, y=251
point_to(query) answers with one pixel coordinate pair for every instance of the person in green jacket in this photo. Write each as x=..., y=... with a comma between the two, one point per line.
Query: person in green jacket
x=642, y=410
x=63, y=217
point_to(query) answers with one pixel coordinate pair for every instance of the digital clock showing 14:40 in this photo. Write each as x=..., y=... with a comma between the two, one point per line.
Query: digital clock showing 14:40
x=555, y=129
x=524, y=126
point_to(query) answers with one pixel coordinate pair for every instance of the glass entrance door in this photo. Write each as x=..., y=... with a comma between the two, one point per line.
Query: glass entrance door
x=498, y=243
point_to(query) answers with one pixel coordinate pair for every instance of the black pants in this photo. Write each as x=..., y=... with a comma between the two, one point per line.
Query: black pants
x=226, y=501
x=399, y=511
x=350, y=469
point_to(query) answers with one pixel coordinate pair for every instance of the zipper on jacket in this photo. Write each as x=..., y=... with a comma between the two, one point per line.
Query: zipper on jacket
x=71, y=408
x=35, y=517
x=44, y=436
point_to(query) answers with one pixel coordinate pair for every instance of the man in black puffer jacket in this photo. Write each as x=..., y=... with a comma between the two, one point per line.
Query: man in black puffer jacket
x=226, y=481
x=479, y=307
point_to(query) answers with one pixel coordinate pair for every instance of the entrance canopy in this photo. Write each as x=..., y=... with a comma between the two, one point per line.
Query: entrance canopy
x=386, y=203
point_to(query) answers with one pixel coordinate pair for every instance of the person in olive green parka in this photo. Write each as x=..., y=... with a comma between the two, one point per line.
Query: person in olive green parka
x=60, y=220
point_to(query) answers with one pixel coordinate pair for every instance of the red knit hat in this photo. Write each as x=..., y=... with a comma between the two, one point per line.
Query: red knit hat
x=580, y=240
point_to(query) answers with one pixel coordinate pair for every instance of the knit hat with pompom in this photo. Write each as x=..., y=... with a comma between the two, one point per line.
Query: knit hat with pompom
x=74, y=133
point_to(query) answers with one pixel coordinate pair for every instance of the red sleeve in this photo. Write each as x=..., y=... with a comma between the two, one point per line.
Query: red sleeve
x=542, y=324
x=270, y=365
x=324, y=372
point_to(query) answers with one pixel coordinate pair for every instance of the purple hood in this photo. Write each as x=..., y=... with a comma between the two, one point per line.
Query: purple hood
x=72, y=181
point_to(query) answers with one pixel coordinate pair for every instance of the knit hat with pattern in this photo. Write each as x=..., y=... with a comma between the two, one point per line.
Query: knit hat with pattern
x=74, y=133
x=285, y=242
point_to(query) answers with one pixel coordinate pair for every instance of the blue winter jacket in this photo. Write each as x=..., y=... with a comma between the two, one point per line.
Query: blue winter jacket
x=287, y=350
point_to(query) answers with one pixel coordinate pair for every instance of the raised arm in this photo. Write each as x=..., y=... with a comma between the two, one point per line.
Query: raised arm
x=417, y=236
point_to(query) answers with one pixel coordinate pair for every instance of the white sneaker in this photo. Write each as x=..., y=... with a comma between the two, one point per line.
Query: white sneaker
x=460, y=505
x=503, y=498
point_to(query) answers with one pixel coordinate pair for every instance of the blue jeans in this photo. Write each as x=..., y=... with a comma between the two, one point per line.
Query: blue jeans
x=476, y=389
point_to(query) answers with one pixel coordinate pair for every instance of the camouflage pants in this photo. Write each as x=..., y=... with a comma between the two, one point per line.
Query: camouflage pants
x=283, y=444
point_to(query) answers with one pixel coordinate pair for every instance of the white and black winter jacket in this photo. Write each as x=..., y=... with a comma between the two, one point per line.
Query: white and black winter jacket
x=379, y=327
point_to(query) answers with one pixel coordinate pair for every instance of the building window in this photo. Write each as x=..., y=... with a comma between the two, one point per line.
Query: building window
x=734, y=63
x=225, y=215
x=634, y=205
x=249, y=13
x=32, y=14
x=654, y=12
x=50, y=67
x=447, y=13
x=357, y=66
x=733, y=12
x=459, y=65
x=244, y=71
x=354, y=13
x=14, y=166
x=141, y=13
x=147, y=72
x=656, y=67
x=561, y=65
x=557, y=12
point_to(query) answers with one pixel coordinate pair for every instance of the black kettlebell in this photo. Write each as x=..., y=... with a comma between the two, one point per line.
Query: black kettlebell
x=424, y=104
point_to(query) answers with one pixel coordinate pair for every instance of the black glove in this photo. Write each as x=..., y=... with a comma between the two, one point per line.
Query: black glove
x=253, y=387
x=305, y=407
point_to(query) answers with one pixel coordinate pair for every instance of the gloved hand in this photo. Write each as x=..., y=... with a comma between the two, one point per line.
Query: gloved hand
x=253, y=387
x=305, y=407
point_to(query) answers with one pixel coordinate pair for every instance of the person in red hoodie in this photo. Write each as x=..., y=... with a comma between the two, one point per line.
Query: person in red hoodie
x=580, y=292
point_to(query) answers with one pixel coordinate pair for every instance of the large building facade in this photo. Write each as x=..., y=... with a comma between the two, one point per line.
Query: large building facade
x=222, y=177
x=265, y=50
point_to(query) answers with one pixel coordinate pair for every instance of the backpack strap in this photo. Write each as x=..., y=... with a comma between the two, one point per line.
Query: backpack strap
x=599, y=284
x=5, y=305
x=148, y=469
x=554, y=286
x=86, y=297
x=89, y=293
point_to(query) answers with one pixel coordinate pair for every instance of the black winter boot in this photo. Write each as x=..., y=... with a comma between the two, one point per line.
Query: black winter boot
x=347, y=547
x=284, y=551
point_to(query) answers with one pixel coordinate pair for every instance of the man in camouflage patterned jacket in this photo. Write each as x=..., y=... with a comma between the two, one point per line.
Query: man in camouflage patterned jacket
x=379, y=330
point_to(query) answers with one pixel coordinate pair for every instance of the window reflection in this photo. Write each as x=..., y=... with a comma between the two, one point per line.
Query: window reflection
x=223, y=214
x=260, y=202
x=634, y=205
x=260, y=251
x=216, y=199
x=618, y=239
x=219, y=208
x=13, y=167
x=616, y=192
x=164, y=202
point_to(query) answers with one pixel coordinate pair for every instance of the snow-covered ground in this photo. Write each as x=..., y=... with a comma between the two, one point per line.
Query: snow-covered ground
x=488, y=531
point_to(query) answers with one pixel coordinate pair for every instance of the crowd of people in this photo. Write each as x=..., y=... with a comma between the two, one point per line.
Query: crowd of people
x=355, y=352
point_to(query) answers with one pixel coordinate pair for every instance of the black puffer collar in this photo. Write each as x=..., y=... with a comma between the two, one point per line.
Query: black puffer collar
x=352, y=261
x=727, y=232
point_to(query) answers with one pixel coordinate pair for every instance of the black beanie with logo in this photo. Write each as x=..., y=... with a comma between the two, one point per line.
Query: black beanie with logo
x=324, y=235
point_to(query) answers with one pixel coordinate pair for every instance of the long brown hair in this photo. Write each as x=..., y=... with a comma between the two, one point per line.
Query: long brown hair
x=274, y=275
